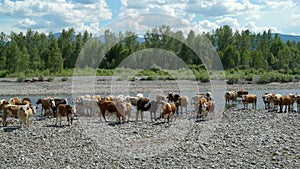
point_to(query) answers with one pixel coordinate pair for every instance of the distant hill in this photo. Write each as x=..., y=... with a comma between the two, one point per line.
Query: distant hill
x=285, y=38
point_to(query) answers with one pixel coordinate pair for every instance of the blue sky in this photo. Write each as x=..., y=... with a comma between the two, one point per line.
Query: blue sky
x=140, y=16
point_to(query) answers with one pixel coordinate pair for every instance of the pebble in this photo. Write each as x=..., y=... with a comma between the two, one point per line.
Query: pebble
x=240, y=139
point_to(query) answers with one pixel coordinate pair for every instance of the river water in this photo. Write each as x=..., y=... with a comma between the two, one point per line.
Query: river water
x=217, y=95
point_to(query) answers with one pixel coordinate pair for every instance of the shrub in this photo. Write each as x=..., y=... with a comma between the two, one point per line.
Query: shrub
x=41, y=77
x=232, y=80
x=63, y=79
x=21, y=77
x=287, y=78
x=50, y=78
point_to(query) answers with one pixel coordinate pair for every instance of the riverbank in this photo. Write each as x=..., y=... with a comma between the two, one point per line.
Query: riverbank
x=233, y=139
x=108, y=85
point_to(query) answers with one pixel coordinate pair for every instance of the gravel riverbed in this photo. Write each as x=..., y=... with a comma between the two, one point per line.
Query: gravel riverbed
x=226, y=139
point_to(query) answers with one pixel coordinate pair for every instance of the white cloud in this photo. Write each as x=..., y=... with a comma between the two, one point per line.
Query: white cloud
x=173, y=8
x=279, y=4
x=26, y=23
x=251, y=26
x=217, y=8
x=56, y=14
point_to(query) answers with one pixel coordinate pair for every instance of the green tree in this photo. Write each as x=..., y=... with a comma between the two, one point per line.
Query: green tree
x=36, y=61
x=24, y=61
x=55, y=60
x=13, y=56
x=65, y=44
x=231, y=57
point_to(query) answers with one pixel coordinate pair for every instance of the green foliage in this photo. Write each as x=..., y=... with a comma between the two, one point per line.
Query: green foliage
x=274, y=76
x=41, y=77
x=244, y=54
x=50, y=78
x=21, y=77
x=63, y=79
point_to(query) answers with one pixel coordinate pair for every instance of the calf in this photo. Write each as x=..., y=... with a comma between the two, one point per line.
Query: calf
x=65, y=110
x=249, y=98
x=24, y=113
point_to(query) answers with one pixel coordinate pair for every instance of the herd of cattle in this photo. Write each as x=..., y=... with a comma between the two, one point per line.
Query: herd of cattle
x=272, y=101
x=121, y=106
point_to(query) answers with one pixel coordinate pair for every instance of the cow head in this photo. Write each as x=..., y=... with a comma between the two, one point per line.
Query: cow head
x=33, y=108
x=39, y=101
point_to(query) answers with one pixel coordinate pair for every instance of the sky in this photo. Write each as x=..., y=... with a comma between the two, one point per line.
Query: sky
x=140, y=16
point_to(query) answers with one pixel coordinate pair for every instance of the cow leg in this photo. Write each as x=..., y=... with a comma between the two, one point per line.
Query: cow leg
x=27, y=122
x=21, y=122
x=68, y=119
x=56, y=120
x=137, y=115
x=142, y=115
x=103, y=115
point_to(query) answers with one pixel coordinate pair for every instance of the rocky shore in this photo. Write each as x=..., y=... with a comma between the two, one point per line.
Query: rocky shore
x=230, y=139
x=226, y=139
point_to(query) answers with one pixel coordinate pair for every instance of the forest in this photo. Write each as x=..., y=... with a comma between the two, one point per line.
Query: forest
x=243, y=53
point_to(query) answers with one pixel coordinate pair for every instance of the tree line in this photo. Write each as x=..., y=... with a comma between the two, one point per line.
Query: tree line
x=34, y=51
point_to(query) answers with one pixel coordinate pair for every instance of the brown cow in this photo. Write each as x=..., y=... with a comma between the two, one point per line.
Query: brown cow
x=240, y=93
x=286, y=101
x=15, y=101
x=65, y=110
x=110, y=107
x=9, y=111
x=275, y=99
x=183, y=101
x=47, y=104
x=201, y=107
x=167, y=111
x=230, y=95
x=209, y=106
x=249, y=98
